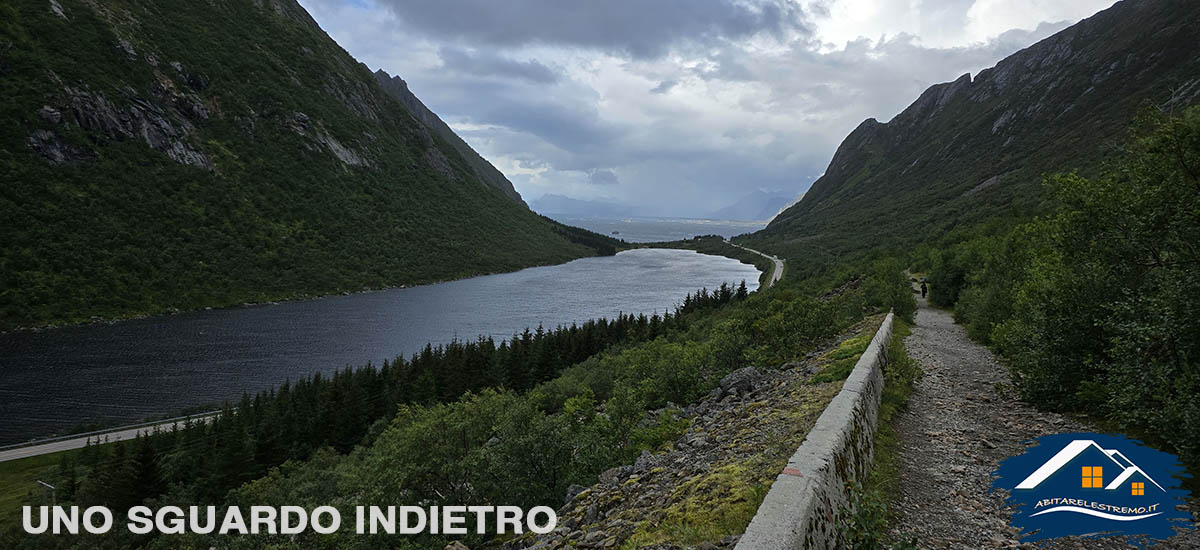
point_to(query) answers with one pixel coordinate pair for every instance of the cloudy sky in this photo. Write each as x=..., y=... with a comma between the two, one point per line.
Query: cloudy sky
x=677, y=106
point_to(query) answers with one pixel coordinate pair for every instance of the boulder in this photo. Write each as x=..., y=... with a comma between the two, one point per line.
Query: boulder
x=573, y=491
x=644, y=462
x=740, y=381
x=614, y=475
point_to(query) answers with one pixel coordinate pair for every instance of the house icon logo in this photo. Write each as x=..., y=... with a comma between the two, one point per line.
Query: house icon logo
x=1094, y=485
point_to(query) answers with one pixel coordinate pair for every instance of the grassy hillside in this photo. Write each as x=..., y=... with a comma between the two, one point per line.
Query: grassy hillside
x=975, y=150
x=174, y=155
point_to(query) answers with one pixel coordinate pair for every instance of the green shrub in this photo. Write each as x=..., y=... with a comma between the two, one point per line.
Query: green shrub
x=863, y=523
x=1095, y=308
x=789, y=328
x=887, y=288
x=668, y=427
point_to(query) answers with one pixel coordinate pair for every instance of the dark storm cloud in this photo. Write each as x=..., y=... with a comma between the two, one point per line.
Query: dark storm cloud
x=641, y=28
x=664, y=86
x=490, y=64
x=569, y=121
x=680, y=105
x=603, y=177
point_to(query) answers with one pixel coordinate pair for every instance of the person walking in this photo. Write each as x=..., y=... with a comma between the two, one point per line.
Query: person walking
x=924, y=289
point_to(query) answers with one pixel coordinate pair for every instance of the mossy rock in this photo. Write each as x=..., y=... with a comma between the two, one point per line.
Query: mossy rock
x=843, y=358
x=706, y=508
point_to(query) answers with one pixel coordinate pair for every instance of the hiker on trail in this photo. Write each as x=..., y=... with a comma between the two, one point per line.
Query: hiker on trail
x=924, y=289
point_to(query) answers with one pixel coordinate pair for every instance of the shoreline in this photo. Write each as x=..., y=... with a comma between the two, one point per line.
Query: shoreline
x=156, y=416
x=766, y=276
x=270, y=302
x=310, y=297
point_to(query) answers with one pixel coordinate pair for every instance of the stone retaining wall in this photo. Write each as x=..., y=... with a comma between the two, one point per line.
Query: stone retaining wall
x=802, y=508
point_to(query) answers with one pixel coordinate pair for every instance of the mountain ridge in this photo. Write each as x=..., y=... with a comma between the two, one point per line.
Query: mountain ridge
x=553, y=203
x=172, y=155
x=755, y=206
x=486, y=172
x=974, y=149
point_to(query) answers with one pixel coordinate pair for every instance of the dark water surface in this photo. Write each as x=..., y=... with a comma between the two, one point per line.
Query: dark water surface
x=126, y=371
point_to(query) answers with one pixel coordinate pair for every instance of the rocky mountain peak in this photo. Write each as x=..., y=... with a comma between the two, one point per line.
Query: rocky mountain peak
x=859, y=139
x=932, y=101
x=396, y=81
x=484, y=170
x=977, y=147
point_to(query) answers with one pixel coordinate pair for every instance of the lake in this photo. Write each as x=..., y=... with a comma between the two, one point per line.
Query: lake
x=126, y=371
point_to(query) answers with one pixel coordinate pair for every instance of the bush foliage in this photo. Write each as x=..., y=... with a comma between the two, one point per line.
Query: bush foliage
x=1096, y=306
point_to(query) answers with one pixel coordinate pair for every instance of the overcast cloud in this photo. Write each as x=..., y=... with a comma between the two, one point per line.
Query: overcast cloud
x=679, y=106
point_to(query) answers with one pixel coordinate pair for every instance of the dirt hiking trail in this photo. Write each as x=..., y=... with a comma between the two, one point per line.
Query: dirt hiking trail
x=957, y=429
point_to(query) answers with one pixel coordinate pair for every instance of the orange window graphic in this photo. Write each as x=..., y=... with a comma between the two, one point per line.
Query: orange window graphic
x=1093, y=477
x=1139, y=489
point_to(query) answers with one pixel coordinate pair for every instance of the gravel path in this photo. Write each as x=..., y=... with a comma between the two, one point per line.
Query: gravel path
x=957, y=429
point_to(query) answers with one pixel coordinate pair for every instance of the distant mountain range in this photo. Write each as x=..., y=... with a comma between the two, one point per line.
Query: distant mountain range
x=175, y=155
x=756, y=206
x=559, y=204
x=976, y=149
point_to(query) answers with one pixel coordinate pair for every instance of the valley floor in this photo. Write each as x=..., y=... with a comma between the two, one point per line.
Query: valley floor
x=956, y=430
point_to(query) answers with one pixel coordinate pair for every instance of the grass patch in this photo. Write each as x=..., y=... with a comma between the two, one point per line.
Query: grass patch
x=900, y=376
x=18, y=482
x=865, y=525
x=843, y=359
x=659, y=435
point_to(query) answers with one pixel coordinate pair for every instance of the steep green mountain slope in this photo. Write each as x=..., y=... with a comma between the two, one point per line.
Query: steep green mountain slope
x=178, y=154
x=482, y=168
x=976, y=149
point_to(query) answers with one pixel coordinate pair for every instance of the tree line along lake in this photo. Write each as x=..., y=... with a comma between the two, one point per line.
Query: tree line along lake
x=121, y=372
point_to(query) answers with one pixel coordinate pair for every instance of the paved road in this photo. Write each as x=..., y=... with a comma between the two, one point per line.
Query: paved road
x=117, y=434
x=954, y=433
x=776, y=274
